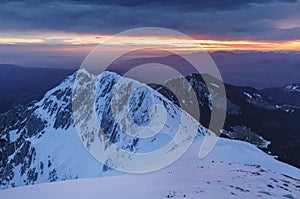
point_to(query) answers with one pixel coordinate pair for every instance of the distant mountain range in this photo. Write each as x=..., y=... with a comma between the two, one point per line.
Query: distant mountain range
x=261, y=70
x=289, y=94
x=244, y=68
x=20, y=85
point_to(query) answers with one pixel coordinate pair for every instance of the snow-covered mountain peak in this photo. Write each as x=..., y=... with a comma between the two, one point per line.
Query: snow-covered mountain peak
x=40, y=142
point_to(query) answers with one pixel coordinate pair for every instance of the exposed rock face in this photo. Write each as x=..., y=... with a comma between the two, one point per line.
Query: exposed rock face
x=270, y=125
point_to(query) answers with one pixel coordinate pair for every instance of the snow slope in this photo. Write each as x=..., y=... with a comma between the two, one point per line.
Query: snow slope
x=234, y=169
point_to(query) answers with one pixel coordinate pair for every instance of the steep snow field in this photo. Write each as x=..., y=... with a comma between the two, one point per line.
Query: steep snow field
x=233, y=169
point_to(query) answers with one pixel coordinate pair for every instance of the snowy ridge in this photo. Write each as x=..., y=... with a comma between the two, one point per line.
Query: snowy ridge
x=233, y=169
x=292, y=88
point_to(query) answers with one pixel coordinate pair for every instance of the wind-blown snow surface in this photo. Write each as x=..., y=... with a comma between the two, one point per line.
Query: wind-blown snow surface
x=233, y=169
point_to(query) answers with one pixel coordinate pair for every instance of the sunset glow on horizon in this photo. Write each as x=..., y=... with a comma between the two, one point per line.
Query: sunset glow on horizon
x=84, y=42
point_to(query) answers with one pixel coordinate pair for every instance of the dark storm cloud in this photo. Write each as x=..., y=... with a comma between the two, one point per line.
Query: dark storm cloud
x=196, y=4
x=251, y=19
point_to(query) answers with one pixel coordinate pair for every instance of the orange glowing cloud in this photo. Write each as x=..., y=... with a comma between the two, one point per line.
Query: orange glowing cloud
x=78, y=42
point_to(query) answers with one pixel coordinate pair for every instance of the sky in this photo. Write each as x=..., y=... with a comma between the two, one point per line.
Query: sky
x=69, y=26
